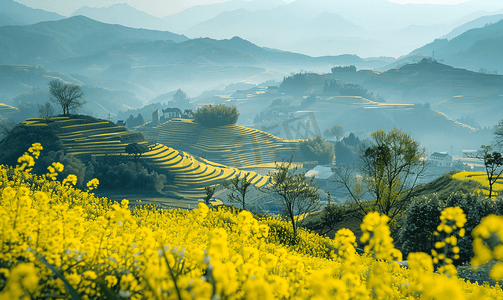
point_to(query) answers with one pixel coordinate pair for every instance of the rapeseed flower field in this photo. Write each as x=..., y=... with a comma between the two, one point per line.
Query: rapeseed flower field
x=480, y=177
x=58, y=242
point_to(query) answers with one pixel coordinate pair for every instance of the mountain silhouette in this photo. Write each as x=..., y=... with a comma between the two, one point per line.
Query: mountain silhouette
x=123, y=14
x=475, y=49
x=14, y=13
x=52, y=41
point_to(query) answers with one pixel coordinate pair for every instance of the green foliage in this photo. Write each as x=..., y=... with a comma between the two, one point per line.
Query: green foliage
x=22, y=137
x=136, y=149
x=317, y=149
x=331, y=216
x=334, y=132
x=216, y=115
x=345, y=69
x=350, y=89
x=180, y=100
x=389, y=165
x=133, y=122
x=294, y=84
x=347, y=150
x=112, y=173
x=493, y=161
x=72, y=165
x=421, y=218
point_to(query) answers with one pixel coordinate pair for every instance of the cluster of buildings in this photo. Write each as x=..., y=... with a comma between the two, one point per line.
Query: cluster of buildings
x=167, y=114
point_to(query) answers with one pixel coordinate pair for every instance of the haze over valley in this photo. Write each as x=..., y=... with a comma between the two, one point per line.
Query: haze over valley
x=266, y=144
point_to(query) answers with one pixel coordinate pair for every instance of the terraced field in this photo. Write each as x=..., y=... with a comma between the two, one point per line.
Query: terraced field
x=6, y=110
x=89, y=136
x=192, y=174
x=230, y=145
x=83, y=135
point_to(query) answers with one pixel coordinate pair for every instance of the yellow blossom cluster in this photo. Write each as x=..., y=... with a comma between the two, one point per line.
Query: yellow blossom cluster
x=446, y=250
x=57, y=242
x=376, y=232
x=488, y=245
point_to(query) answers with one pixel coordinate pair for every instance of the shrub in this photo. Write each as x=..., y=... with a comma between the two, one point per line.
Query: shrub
x=317, y=149
x=216, y=115
x=421, y=219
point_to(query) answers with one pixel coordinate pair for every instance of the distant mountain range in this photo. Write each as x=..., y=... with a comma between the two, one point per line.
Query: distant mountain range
x=49, y=42
x=157, y=60
x=126, y=15
x=477, y=49
x=314, y=27
x=14, y=13
x=477, y=23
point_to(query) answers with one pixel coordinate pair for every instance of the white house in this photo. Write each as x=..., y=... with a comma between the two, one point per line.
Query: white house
x=441, y=159
x=170, y=113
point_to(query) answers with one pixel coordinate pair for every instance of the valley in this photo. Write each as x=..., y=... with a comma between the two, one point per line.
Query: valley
x=251, y=149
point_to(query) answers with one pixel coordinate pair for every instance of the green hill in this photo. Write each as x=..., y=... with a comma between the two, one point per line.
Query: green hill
x=230, y=145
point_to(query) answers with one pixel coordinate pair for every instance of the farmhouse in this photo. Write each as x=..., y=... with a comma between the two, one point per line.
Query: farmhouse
x=170, y=113
x=441, y=159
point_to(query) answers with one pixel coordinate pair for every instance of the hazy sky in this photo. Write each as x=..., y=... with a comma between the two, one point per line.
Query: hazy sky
x=159, y=8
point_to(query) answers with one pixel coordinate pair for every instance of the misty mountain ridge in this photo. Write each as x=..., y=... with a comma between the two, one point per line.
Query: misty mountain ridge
x=123, y=14
x=315, y=28
x=475, y=49
x=72, y=37
x=14, y=13
x=477, y=23
x=126, y=15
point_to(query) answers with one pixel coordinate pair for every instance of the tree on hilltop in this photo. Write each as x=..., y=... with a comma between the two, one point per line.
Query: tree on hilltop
x=216, y=115
x=180, y=99
x=67, y=95
x=46, y=111
x=136, y=149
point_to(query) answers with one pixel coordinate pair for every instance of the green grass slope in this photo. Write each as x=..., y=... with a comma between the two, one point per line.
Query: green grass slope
x=230, y=145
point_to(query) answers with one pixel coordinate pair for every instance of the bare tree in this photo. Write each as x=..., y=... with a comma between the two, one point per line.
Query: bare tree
x=389, y=167
x=298, y=194
x=46, y=111
x=238, y=189
x=498, y=134
x=6, y=127
x=67, y=95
